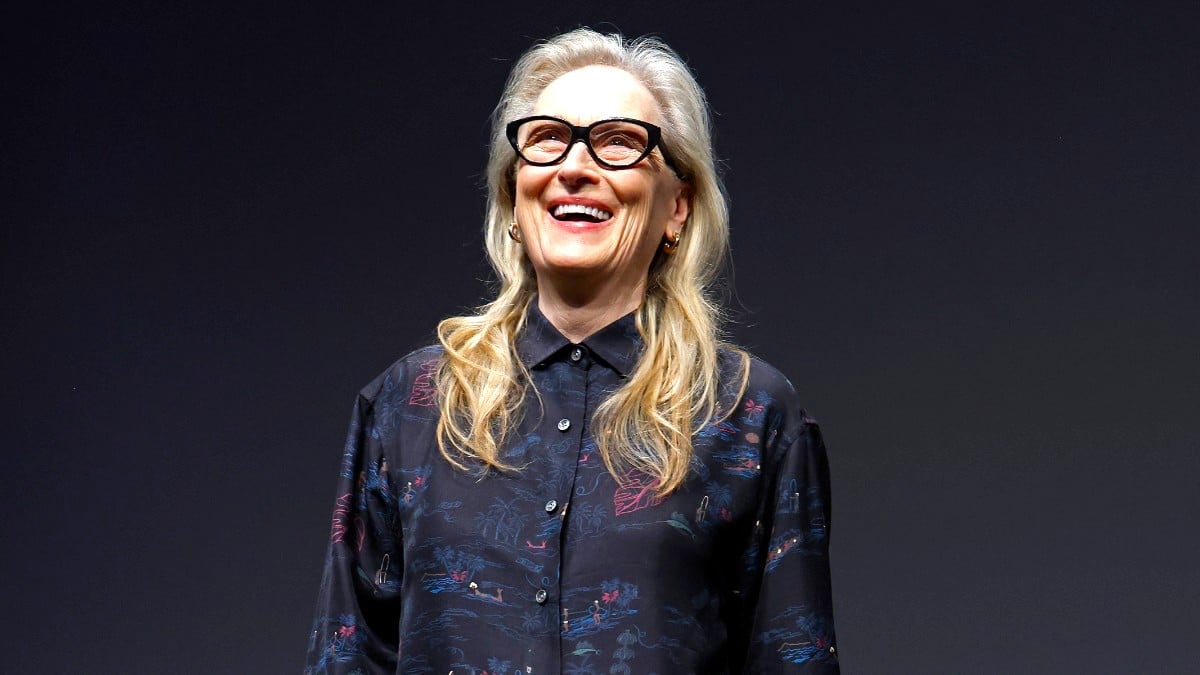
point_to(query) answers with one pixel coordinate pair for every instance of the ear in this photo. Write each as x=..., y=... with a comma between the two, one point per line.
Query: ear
x=682, y=203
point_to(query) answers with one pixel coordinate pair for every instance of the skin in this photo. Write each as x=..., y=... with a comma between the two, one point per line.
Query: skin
x=590, y=274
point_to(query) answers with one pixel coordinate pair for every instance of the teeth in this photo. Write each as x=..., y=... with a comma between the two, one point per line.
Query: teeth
x=598, y=214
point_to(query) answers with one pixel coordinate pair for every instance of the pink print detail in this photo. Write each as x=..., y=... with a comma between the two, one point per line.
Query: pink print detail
x=341, y=509
x=423, y=392
x=530, y=544
x=635, y=493
x=361, y=530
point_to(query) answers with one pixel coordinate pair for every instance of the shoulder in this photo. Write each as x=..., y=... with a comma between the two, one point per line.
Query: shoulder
x=767, y=389
x=411, y=375
x=762, y=379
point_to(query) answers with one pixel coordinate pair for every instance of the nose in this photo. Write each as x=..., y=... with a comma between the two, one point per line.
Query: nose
x=578, y=166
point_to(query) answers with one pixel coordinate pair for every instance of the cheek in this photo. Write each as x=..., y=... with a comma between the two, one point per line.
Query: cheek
x=656, y=210
x=526, y=192
x=529, y=183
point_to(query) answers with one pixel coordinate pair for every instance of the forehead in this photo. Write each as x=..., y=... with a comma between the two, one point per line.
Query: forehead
x=595, y=93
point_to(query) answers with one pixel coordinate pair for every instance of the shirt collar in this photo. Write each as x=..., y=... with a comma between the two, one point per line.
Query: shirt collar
x=618, y=344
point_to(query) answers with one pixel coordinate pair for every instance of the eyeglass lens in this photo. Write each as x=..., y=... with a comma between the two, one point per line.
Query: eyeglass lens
x=617, y=143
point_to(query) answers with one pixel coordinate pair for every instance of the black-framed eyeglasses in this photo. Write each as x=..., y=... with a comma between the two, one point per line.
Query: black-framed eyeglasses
x=615, y=143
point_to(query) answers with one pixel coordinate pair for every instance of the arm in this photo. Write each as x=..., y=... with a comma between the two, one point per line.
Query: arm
x=791, y=605
x=358, y=609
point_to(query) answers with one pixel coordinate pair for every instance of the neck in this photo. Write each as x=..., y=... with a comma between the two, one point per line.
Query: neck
x=578, y=312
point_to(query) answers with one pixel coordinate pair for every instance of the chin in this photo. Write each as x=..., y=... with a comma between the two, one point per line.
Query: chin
x=575, y=267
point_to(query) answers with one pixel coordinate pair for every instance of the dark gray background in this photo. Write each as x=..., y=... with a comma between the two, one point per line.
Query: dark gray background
x=967, y=233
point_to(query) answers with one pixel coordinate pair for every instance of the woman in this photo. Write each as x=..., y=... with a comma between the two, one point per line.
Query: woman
x=581, y=478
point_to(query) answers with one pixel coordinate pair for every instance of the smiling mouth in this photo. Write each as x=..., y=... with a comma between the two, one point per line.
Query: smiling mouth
x=588, y=214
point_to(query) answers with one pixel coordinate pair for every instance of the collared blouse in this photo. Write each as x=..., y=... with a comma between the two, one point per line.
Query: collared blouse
x=558, y=568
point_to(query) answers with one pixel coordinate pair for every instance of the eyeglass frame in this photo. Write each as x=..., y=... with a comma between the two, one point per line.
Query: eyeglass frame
x=583, y=134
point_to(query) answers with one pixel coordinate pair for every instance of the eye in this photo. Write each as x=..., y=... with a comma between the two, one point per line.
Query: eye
x=619, y=138
x=546, y=133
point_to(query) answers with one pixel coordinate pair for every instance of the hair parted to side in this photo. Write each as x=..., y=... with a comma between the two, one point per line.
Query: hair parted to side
x=647, y=425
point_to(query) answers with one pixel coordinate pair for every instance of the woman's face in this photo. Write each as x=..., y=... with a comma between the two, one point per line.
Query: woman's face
x=611, y=248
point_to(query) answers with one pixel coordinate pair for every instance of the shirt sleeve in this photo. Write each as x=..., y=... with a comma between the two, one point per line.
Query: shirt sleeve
x=356, y=627
x=792, y=606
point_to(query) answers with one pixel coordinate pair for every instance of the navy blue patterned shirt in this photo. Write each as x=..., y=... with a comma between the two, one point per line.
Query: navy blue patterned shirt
x=559, y=568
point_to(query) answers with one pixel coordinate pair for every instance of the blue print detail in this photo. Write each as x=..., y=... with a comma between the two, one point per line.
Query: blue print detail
x=802, y=636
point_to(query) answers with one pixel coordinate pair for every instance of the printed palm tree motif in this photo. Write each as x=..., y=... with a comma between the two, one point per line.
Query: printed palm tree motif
x=485, y=521
x=636, y=492
x=459, y=568
x=560, y=475
x=623, y=653
x=531, y=621
x=588, y=518
x=617, y=594
x=512, y=527
x=343, y=644
x=753, y=408
x=497, y=666
x=494, y=518
x=628, y=593
x=753, y=411
x=721, y=499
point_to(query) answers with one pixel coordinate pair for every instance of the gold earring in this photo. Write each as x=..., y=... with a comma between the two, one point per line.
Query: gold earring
x=671, y=242
x=514, y=232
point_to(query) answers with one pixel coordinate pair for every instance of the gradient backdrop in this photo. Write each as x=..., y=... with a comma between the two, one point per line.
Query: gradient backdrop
x=220, y=222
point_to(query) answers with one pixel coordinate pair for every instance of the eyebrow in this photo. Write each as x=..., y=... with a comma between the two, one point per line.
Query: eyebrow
x=598, y=118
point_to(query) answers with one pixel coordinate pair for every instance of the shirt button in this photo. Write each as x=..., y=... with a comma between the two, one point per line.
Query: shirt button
x=564, y=424
x=576, y=354
x=551, y=505
x=540, y=596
